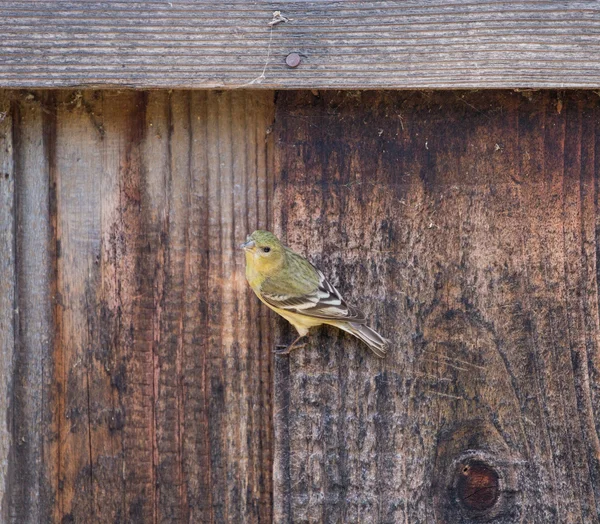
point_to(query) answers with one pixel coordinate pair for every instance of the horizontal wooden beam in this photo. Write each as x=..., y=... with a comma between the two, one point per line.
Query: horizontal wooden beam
x=411, y=44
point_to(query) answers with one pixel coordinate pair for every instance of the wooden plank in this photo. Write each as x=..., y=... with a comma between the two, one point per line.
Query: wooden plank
x=31, y=470
x=351, y=44
x=465, y=224
x=76, y=167
x=8, y=303
x=91, y=146
x=141, y=388
x=236, y=193
x=204, y=165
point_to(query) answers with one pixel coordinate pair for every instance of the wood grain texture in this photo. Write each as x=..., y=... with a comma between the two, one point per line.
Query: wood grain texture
x=144, y=397
x=351, y=44
x=466, y=226
x=8, y=304
x=30, y=467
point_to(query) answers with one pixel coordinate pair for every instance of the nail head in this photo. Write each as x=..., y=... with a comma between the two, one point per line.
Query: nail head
x=293, y=60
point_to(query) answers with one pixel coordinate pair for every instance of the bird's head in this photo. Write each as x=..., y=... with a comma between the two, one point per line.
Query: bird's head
x=264, y=252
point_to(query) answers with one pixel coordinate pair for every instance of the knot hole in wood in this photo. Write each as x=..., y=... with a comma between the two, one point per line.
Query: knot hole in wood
x=477, y=486
x=477, y=475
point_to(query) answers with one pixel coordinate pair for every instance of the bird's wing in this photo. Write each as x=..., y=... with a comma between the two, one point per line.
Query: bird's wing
x=324, y=301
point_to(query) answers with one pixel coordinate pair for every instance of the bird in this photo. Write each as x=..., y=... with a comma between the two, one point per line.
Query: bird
x=295, y=289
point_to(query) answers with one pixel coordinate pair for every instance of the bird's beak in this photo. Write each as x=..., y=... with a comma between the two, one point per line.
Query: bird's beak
x=249, y=244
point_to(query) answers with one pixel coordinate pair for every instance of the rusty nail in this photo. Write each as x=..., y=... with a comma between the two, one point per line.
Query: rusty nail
x=293, y=60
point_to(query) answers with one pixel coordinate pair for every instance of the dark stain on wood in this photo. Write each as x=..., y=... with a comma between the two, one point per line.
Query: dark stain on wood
x=465, y=225
x=141, y=383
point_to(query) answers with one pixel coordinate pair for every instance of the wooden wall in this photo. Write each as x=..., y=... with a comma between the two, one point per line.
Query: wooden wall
x=140, y=384
x=141, y=368
x=466, y=225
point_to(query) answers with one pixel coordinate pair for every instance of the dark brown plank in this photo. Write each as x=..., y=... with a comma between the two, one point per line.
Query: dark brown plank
x=465, y=224
x=8, y=303
x=351, y=44
x=31, y=468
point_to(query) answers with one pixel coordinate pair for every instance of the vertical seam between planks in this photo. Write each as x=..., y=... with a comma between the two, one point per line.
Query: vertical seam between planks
x=58, y=304
x=120, y=311
x=251, y=465
x=88, y=365
x=266, y=146
x=223, y=368
x=232, y=98
x=257, y=212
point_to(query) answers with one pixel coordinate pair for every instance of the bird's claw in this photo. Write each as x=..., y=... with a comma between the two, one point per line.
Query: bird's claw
x=287, y=349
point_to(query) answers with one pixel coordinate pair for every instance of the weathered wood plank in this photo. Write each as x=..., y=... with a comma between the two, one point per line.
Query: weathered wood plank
x=114, y=127
x=204, y=159
x=351, y=44
x=80, y=191
x=31, y=468
x=237, y=199
x=8, y=304
x=131, y=402
x=466, y=226
x=94, y=137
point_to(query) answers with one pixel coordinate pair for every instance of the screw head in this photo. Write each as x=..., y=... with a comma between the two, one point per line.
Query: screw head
x=293, y=60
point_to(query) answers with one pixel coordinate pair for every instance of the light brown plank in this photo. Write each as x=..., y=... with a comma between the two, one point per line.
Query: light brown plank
x=80, y=177
x=352, y=44
x=465, y=224
x=142, y=382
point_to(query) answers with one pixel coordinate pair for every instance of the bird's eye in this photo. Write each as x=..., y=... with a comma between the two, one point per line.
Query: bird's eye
x=266, y=249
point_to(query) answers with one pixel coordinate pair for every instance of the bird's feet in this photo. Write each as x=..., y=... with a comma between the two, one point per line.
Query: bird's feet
x=286, y=349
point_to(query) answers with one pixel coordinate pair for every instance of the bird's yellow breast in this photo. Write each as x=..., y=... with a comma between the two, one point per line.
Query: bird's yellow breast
x=255, y=275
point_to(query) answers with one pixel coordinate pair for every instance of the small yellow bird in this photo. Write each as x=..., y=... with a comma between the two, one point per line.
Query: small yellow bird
x=295, y=289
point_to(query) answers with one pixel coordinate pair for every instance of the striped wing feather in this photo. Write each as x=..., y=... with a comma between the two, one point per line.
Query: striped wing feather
x=323, y=302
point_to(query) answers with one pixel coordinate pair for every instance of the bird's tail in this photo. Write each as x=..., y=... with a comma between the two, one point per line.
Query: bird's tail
x=370, y=337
